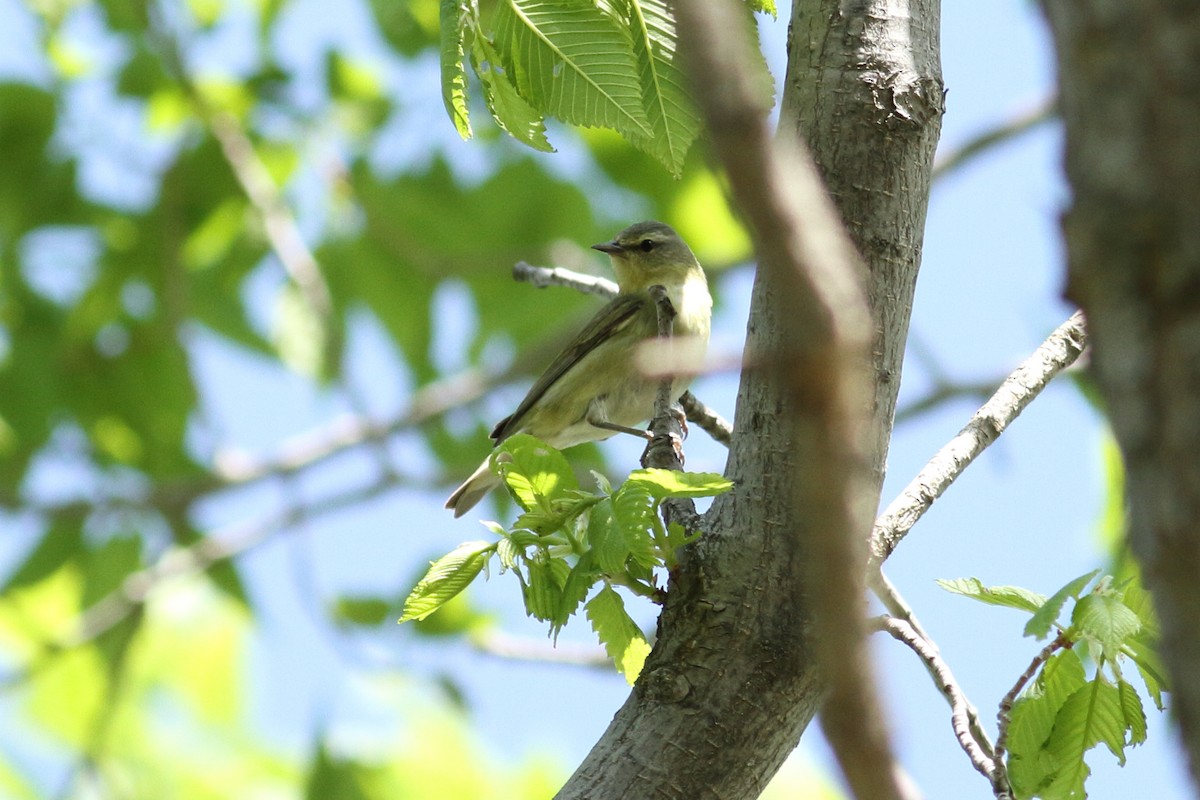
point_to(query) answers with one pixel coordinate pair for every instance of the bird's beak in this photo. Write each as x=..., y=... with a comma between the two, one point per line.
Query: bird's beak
x=608, y=247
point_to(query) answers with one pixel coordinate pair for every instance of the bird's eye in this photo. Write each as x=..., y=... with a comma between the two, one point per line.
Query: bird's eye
x=647, y=245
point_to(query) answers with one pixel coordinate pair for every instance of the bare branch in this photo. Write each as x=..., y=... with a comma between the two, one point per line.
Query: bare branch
x=560, y=276
x=1059, y=351
x=899, y=608
x=712, y=423
x=947, y=684
x=968, y=728
x=980, y=144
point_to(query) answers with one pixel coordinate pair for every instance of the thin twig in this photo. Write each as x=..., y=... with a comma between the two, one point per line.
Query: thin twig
x=898, y=607
x=947, y=684
x=1059, y=351
x=968, y=728
x=981, y=143
x=560, y=276
x=709, y=421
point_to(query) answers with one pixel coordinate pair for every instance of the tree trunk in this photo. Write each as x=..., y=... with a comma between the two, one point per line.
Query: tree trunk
x=1131, y=105
x=732, y=682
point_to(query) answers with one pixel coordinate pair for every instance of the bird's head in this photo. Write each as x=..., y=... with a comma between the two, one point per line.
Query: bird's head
x=647, y=253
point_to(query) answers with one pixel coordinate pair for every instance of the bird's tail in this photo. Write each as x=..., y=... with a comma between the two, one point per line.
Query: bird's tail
x=482, y=481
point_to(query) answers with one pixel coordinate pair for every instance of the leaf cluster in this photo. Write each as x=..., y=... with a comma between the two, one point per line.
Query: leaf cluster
x=1062, y=714
x=568, y=541
x=607, y=63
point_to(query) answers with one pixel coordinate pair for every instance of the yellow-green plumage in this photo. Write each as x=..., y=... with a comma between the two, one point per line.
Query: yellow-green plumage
x=595, y=376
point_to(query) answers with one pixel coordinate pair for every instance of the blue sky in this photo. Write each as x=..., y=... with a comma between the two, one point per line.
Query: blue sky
x=990, y=289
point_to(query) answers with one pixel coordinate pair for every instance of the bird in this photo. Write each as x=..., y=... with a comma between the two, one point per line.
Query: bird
x=594, y=389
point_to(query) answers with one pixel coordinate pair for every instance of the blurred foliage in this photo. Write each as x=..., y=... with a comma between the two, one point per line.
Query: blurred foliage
x=170, y=168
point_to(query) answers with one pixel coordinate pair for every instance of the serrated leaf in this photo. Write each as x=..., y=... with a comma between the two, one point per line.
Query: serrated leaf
x=455, y=16
x=1133, y=712
x=1104, y=619
x=669, y=107
x=509, y=552
x=663, y=483
x=1139, y=601
x=1045, y=617
x=1144, y=652
x=521, y=120
x=1034, y=713
x=535, y=472
x=542, y=593
x=1007, y=596
x=621, y=637
x=446, y=577
x=569, y=59
x=1091, y=715
x=1033, y=768
x=579, y=582
x=635, y=512
x=763, y=7
x=605, y=539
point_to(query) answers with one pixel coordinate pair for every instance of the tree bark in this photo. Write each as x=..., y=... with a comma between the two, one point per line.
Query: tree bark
x=1131, y=107
x=864, y=91
x=733, y=679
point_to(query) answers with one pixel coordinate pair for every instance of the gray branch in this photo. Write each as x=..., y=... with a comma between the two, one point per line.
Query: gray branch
x=1055, y=354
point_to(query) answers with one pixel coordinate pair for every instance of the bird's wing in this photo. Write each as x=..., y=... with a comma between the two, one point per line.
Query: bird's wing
x=608, y=320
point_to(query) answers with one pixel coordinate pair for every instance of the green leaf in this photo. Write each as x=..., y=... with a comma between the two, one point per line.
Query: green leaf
x=576, y=587
x=569, y=59
x=455, y=16
x=1144, y=652
x=446, y=577
x=635, y=512
x=1039, y=626
x=1091, y=715
x=669, y=108
x=1007, y=596
x=543, y=594
x=606, y=540
x=663, y=483
x=1104, y=619
x=622, y=638
x=1133, y=712
x=1032, y=720
x=521, y=120
x=535, y=472
x=763, y=7
x=509, y=553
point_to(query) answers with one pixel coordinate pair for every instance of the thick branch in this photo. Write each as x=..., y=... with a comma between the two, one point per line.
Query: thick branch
x=733, y=678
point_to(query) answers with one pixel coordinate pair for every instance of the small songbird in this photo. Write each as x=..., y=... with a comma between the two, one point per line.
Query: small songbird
x=594, y=388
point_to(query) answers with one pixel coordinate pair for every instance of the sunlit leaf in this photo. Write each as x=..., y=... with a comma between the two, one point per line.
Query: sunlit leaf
x=446, y=577
x=1007, y=596
x=622, y=638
